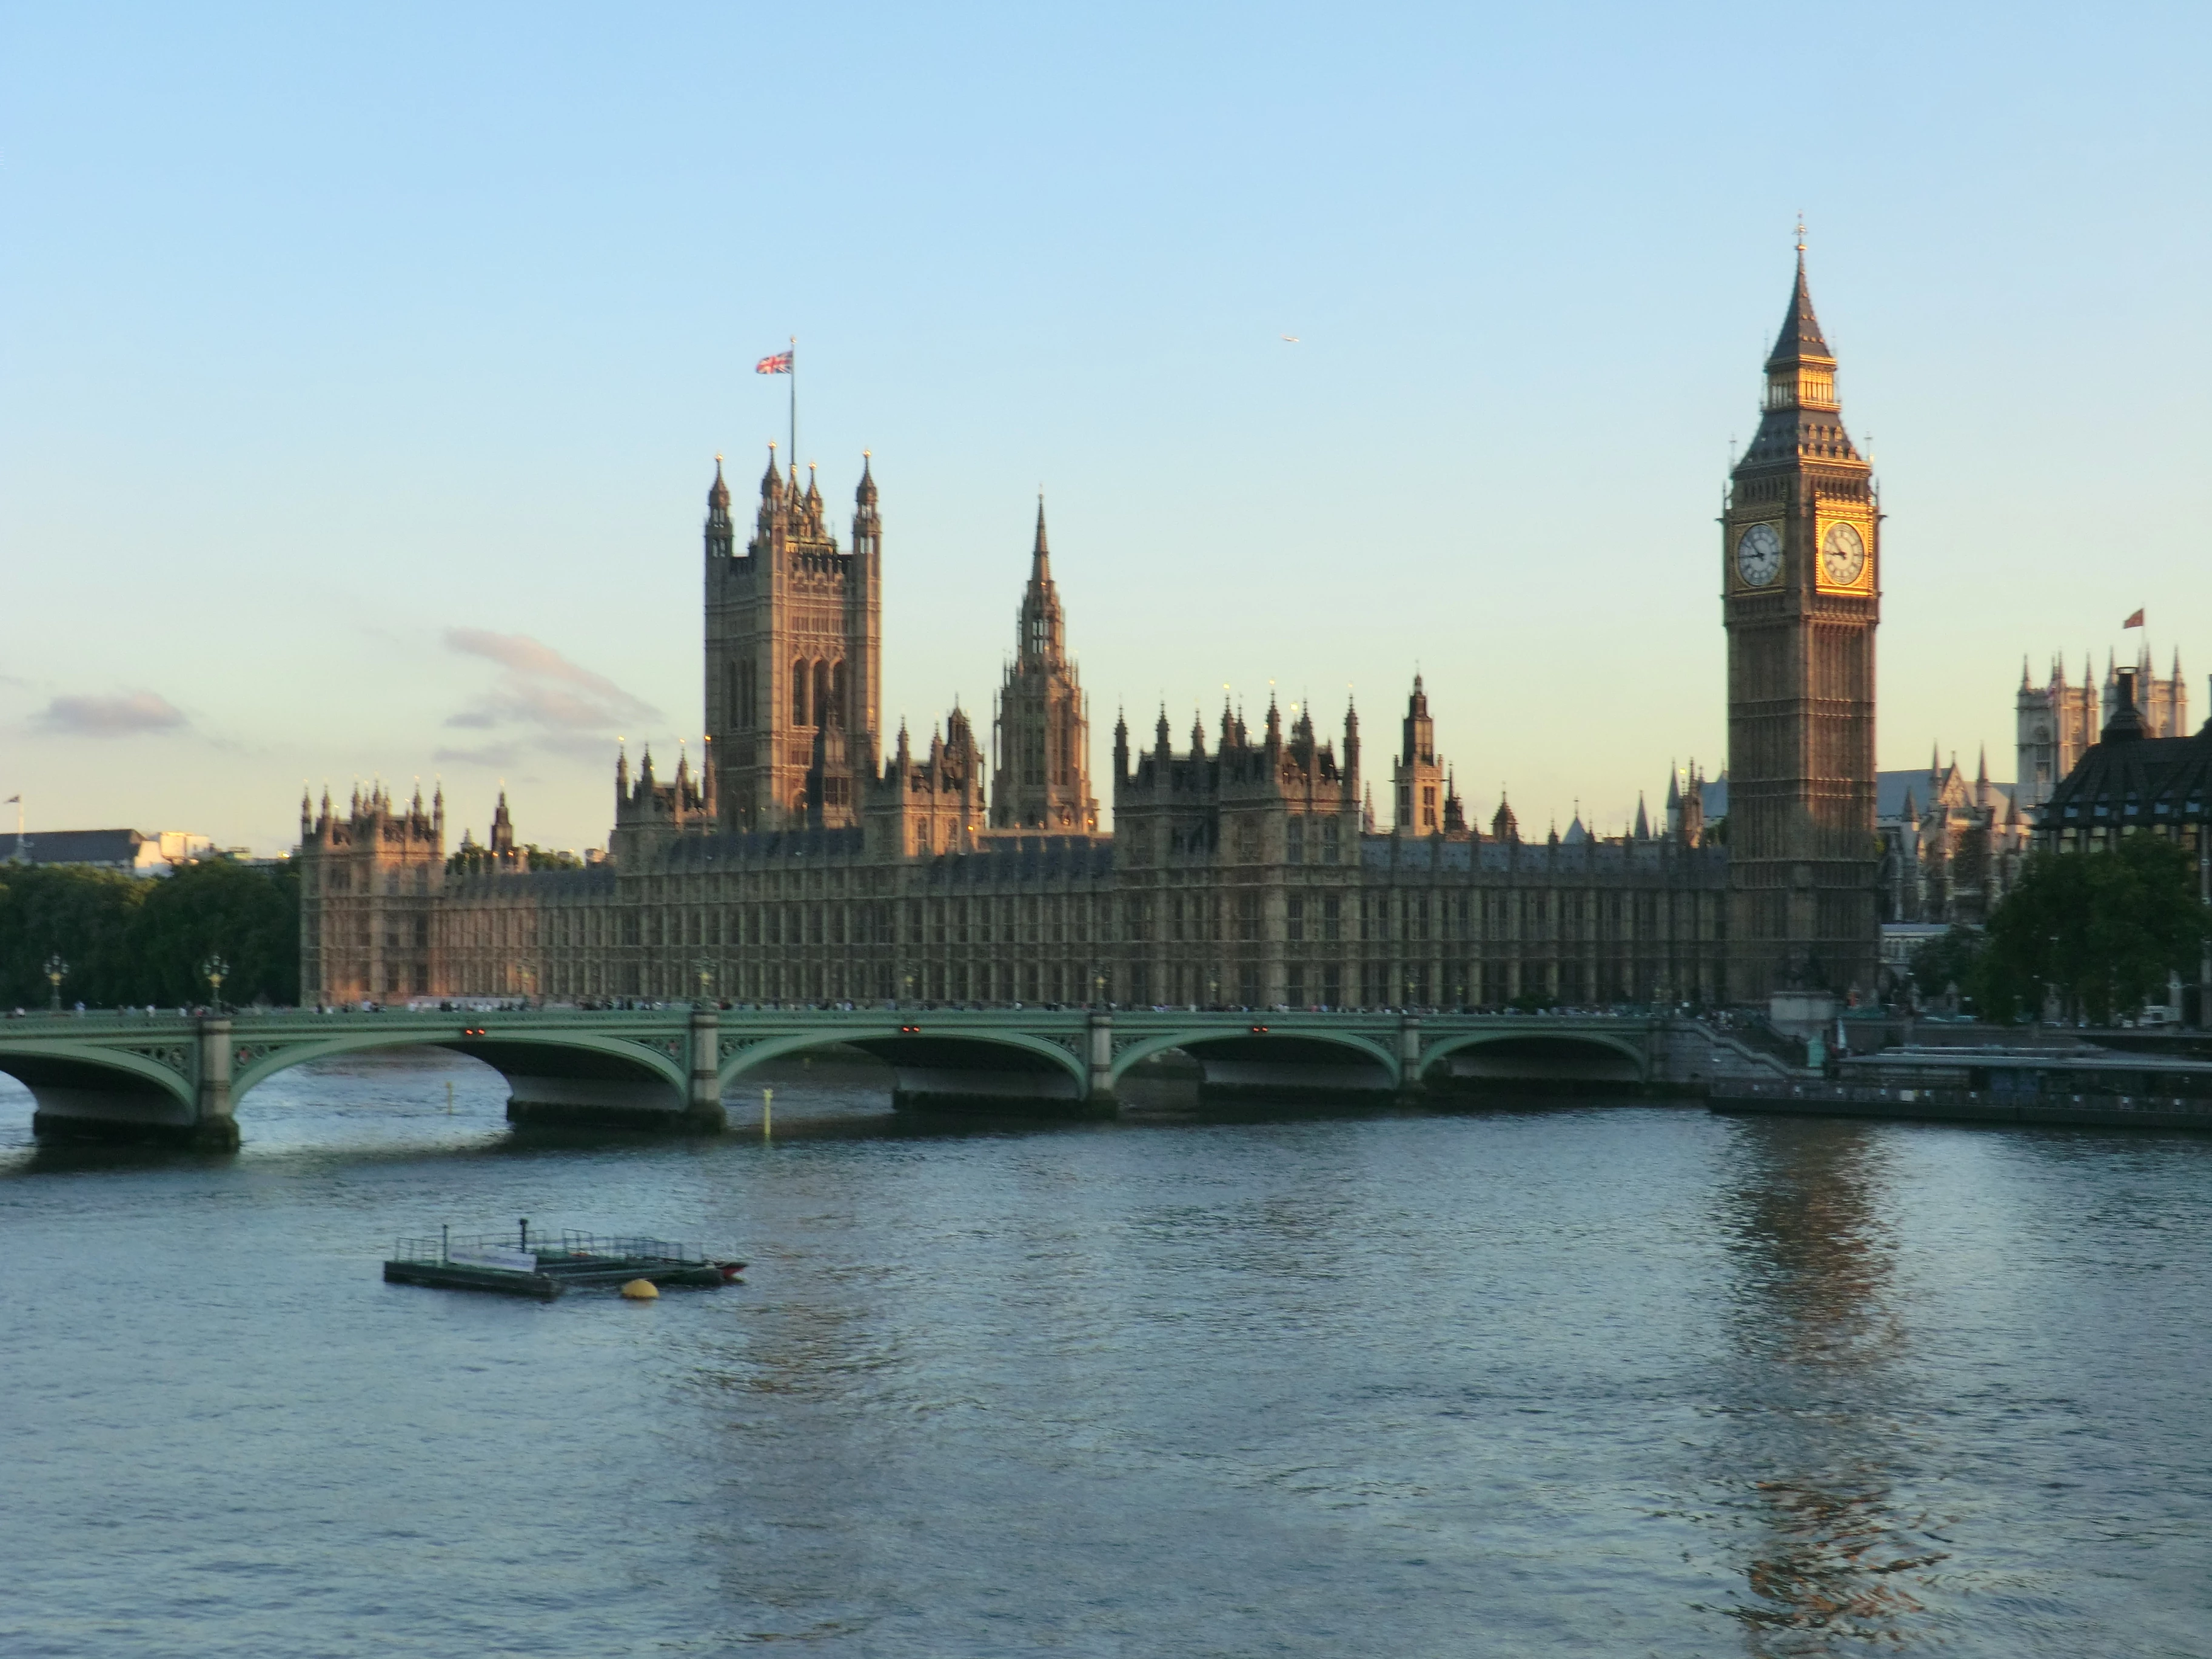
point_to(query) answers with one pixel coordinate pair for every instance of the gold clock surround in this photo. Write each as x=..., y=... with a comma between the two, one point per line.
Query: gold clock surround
x=1862, y=572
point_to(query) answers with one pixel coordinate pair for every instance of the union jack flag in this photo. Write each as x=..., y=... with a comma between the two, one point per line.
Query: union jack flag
x=779, y=364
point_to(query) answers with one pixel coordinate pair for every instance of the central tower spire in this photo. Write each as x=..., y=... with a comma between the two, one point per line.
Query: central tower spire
x=1043, y=779
x=1042, y=628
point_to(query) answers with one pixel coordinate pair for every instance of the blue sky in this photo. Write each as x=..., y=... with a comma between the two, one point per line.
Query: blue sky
x=364, y=367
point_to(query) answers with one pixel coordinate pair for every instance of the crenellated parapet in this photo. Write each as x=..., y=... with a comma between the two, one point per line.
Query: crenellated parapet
x=370, y=880
x=648, y=812
x=932, y=803
x=793, y=649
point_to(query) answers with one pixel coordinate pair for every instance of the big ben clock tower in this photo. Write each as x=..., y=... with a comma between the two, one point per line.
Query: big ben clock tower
x=1801, y=593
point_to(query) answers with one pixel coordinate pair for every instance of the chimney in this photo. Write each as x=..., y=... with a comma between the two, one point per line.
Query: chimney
x=2125, y=725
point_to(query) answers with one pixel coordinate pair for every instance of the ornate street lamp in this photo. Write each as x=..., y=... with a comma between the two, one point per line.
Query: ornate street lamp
x=56, y=970
x=214, y=969
x=706, y=968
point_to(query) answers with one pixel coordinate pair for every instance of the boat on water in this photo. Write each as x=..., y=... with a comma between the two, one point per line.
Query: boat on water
x=518, y=1264
x=2083, y=1086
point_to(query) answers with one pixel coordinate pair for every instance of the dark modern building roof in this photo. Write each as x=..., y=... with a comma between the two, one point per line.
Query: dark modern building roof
x=114, y=849
x=2127, y=780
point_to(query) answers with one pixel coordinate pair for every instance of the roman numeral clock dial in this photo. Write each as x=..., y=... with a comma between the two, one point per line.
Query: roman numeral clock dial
x=1842, y=555
x=1759, y=555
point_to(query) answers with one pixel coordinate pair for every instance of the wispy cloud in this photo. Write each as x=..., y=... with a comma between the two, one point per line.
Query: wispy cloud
x=493, y=756
x=570, y=710
x=131, y=714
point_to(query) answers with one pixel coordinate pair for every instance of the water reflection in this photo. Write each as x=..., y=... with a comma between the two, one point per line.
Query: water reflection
x=1823, y=1440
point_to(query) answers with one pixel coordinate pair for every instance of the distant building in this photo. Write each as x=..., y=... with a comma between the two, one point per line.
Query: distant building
x=1950, y=848
x=2057, y=722
x=134, y=852
x=2130, y=782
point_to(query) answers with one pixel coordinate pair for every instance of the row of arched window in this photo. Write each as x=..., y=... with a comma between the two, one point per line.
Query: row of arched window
x=816, y=688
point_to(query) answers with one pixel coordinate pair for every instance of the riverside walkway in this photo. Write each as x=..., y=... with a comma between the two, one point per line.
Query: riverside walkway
x=179, y=1077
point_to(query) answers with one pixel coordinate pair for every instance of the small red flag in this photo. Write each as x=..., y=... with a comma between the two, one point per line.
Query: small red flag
x=779, y=364
x=2135, y=621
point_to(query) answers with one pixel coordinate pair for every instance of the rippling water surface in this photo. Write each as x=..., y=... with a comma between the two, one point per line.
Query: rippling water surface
x=1608, y=1381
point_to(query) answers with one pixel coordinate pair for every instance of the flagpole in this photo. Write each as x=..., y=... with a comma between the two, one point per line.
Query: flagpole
x=793, y=372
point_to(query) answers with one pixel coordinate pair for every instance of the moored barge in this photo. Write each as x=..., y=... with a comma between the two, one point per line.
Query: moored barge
x=2088, y=1086
x=516, y=1264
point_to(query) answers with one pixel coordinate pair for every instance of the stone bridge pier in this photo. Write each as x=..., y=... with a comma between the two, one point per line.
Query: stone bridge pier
x=175, y=1092
x=1057, y=1065
x=557, y=1086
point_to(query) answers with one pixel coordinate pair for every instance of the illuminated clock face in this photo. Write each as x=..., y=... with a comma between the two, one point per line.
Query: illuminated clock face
x=1843, y=555
x=1758, y=555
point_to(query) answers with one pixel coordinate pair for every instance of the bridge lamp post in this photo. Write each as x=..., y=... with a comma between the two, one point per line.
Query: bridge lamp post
x=909, y=988
x=706, y=970
x=55, y=970
x=214, y=970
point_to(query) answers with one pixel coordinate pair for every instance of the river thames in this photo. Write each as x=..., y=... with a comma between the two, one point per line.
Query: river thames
x=1619, y=1381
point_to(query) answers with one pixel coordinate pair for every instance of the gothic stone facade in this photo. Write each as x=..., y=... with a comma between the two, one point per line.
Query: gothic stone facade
x=1246, y=871
x=1239, y=873
x=798, y=863
x=1952, y=848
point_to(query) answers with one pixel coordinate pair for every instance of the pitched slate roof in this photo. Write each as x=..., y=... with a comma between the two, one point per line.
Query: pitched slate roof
x=2128, y=781
x=115, y=848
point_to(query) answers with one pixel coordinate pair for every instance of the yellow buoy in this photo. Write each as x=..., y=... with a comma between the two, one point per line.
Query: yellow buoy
x=641, y=1290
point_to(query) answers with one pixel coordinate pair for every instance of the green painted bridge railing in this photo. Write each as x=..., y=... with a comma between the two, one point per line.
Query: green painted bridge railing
x=179, y=1076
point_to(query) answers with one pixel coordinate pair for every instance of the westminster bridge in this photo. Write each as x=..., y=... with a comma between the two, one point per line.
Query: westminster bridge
x=179, y=1078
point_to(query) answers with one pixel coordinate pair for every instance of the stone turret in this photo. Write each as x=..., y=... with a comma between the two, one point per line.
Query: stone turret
x=793, y=633
x=368, y=879
x=649, y=814
x=1417, y=773
x=1042, y=729
x=920, y=808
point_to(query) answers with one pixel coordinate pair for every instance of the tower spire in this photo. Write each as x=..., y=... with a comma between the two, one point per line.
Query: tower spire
x=721, y=534
x=1801, y=338
x=1043, y=778
x=1042, y=623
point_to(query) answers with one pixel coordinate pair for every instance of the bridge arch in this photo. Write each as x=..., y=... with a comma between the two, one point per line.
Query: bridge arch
x=581, y=1077
x=1263, y=1057
x=935, y=1064
x=1533, y=1055
x=95, y=1086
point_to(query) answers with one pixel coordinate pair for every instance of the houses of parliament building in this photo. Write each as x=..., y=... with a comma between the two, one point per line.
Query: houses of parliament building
x=809, y=857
